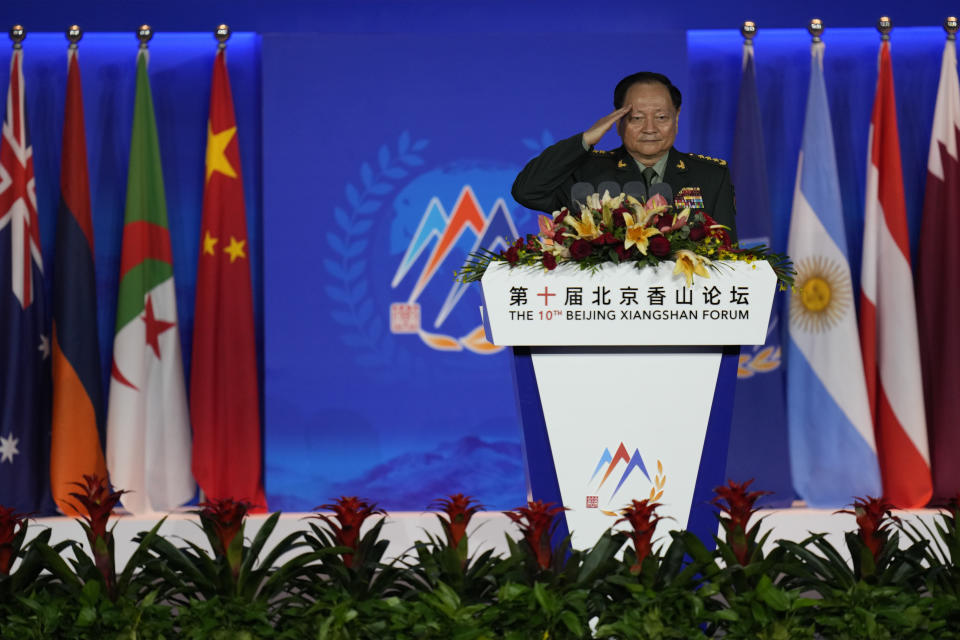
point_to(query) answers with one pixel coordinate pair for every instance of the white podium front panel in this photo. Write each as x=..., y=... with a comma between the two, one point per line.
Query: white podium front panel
x=624, y=423
x=622, y=305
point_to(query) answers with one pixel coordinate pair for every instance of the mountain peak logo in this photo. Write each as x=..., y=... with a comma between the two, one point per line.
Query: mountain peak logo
x=629, y=468
x=436, y=238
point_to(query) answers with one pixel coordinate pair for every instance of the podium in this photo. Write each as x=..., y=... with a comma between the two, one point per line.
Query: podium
x=625, y=379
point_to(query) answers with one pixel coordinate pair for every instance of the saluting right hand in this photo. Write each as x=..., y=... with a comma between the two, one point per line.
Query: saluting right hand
x=594, y=134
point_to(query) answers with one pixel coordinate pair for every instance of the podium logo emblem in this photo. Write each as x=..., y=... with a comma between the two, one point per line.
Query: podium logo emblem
x=620, y=477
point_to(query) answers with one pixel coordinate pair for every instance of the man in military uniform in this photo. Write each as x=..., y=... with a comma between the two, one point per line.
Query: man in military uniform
x=647, y=111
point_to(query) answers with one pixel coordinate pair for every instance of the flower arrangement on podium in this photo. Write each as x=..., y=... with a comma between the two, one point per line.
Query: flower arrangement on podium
x=623, y=229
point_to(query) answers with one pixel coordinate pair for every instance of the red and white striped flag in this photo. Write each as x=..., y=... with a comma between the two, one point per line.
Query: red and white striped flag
x=888, y=323
x=938, y=281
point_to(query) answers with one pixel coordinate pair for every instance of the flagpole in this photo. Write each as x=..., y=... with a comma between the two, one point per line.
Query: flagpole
x=749, y=31
x=74, y=34
x=222, y=34
x=144, y=35
x=884, y=26
x=17, y=34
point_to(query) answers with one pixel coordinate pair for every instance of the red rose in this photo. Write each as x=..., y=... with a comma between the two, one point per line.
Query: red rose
x=724, y=237
x=511, y=255
x=580, y=249
x=549, y=261
x=559, y=236
x=659, y=246
x=623, y=253
x=666, y=221
x=519, y=243
x=606, y=238
x=559, y=218
x=697, y=232
x=618, y=219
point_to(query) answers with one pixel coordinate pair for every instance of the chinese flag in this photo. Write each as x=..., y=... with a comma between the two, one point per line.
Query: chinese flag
x=224, y=400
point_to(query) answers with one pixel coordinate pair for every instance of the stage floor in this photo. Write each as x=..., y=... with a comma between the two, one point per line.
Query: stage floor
x=487, y=529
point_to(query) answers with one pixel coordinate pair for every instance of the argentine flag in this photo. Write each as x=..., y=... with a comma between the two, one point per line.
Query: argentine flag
x=833, y=456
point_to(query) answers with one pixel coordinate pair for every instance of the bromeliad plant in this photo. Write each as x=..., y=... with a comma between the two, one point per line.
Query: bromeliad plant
x=874, y=551
x=622, y=229
x=444, y=562
x=13, y=547
x=13, y=530
x=737, y=506
x=538, y=521
x=235, y=588
x=353, y=558
x=222, y=521
x=643, y=519
x=943, y=552
x=234, y=570
x=97, y=503
x=99, y=602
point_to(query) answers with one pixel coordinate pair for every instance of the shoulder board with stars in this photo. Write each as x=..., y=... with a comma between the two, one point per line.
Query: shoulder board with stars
x=716, y=161
x=602, y=153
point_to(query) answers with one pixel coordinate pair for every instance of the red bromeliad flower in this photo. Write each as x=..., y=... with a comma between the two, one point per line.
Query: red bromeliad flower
x=537, y=521
x=737, y=503
x=226, y=516
x=98, y=502
x=873, y=519
x=641, y=514
x=459, y=509
x=349, y=515
x=11, y=524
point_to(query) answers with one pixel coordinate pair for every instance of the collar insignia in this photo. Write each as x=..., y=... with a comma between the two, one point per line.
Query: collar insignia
x=681, y=166
x=621, y=165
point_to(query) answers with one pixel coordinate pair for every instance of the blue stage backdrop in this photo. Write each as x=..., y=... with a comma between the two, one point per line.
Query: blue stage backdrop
x=388, y=155
x=384, y=156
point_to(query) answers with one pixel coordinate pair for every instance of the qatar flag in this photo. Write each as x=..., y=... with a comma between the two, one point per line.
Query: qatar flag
x=888, y=323
x=938, y=281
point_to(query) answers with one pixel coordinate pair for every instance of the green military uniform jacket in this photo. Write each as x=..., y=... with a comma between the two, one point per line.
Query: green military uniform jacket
x=546, y=182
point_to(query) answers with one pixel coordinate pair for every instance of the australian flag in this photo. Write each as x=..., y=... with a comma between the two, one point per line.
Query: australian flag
x=24, y=340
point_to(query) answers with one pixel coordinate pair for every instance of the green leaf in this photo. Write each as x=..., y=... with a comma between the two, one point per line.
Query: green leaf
x=572, y=623
x=87, y=616
x=137, y=557
x=55, y=564
x=771, y=595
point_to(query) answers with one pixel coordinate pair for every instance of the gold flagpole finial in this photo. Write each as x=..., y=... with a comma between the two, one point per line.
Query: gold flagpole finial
x=74, y=33
x=17, y=34
x=816, y=29
x=950, y=25
x=884, y=26
x=749, y=31
x=222, y=34
x=144, y=34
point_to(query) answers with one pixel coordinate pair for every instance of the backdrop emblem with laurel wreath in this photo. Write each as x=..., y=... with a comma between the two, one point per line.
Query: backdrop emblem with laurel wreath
x=403, y=231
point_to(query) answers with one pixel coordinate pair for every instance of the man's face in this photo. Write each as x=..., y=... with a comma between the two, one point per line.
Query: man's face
x=650, y=128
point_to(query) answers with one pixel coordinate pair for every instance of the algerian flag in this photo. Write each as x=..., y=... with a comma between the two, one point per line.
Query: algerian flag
x=148, y=425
